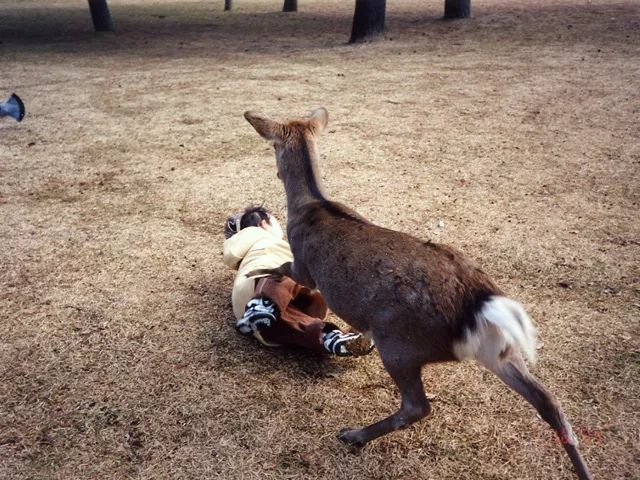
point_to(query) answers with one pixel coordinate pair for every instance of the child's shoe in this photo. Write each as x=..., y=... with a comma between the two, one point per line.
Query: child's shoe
x=346, y=344
x=259, y=313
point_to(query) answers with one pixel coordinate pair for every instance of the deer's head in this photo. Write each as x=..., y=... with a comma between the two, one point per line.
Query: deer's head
x=290, y=139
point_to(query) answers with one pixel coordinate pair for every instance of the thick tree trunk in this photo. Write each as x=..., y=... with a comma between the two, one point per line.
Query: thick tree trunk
x=457, y=8
x=228, y=5
x=368, y=19
x=100, y=15
x=290, y=6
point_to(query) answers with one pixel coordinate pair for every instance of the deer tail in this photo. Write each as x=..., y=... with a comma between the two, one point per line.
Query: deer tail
x=501, y=324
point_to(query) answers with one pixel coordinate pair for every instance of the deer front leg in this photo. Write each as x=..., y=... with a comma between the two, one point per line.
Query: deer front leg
x=293, y=270
x=413, y=407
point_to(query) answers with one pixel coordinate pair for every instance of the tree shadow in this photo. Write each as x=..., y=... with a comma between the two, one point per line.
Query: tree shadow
x=182, y=30
x=168, y=30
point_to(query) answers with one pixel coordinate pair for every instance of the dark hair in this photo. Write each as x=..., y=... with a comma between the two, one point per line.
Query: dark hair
x=251, y=217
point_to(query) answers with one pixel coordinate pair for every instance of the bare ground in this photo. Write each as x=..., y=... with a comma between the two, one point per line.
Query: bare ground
x=518, y=128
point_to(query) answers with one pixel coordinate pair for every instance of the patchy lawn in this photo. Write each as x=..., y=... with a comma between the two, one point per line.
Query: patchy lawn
x=518, y=128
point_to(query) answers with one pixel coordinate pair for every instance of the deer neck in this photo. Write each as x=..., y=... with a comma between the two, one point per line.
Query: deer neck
x=302, y=181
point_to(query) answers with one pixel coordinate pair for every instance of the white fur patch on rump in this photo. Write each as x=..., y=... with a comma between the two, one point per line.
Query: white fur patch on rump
x=500, y=323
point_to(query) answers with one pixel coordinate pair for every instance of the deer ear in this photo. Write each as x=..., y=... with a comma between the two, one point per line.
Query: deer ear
x=268, y=129
x=318, y=120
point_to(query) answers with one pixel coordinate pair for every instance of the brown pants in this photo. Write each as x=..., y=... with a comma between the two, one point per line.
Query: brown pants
x=301, y=314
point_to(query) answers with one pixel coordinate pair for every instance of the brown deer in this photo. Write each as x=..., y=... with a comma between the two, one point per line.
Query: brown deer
x=421, y=302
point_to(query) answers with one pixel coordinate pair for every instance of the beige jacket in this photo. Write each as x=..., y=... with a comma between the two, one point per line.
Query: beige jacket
x=249, y=249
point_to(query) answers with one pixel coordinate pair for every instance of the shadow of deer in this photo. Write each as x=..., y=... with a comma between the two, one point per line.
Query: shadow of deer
x=421, y=302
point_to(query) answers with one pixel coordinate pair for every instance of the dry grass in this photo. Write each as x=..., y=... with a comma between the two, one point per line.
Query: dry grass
x=518, y=128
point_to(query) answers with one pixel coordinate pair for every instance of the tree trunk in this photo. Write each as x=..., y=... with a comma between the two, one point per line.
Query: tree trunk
x=101, y=16
x=457, y=8
x=228, y=5
x=368, y=19
x=290, y=6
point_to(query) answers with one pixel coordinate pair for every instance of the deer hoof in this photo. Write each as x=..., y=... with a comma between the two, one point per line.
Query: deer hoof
x=348, y=437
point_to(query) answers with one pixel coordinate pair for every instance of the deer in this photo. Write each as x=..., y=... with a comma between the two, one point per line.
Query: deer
x=420, y=302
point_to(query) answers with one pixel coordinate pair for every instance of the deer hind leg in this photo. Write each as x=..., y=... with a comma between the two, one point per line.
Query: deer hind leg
x=413, y=407
x=511, y=369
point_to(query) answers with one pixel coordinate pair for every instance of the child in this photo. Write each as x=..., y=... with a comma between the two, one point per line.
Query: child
x=278, y=311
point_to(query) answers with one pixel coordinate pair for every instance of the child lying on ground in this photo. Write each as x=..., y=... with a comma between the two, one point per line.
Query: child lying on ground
x=278, y=311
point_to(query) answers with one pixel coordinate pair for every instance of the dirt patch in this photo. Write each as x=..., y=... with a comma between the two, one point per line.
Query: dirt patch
x=517, y=128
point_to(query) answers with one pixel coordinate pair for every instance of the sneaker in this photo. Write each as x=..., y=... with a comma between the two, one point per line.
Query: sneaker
x=346, y=344
x=259, y=313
